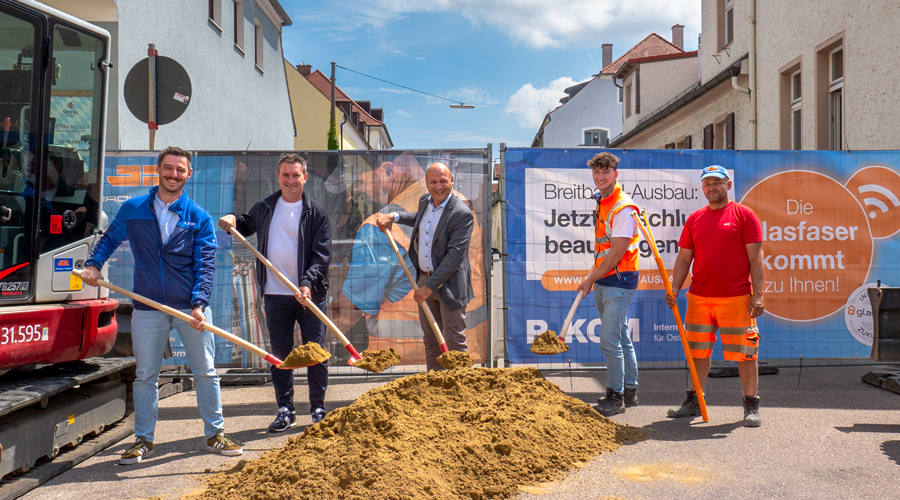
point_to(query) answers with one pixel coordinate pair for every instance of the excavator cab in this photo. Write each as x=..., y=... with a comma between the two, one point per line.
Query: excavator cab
x=51, y=127
x=53, y=78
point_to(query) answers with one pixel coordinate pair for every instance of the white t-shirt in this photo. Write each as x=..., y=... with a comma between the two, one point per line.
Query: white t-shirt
x=623, y=224
x=283, y=245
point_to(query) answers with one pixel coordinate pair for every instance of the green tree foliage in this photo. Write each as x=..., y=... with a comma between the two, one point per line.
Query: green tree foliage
x=333, y=137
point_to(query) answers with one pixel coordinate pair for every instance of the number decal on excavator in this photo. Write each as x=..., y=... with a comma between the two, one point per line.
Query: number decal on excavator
x=20, y=334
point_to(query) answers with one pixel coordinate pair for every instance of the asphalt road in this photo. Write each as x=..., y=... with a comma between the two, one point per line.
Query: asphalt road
x=824, y=435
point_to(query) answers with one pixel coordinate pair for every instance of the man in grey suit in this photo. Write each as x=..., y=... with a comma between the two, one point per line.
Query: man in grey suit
x=439, y=250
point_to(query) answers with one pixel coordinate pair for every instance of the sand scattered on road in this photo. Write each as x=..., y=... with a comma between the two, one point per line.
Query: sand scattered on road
x=459, y=434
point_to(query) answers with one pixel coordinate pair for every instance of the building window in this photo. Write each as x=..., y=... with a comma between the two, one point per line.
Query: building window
x=729, y=21
x=215, y=13
x=828, y=84
x=596, y=137
x=628, y=100
x=258, y=38
x=239, y=24
x=796, y=101
x=619, y=93
x=724, y=22
x=720, y=133
x=836, y=99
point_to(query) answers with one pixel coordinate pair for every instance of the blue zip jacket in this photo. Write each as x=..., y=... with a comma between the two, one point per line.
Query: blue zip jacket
x=177, y=273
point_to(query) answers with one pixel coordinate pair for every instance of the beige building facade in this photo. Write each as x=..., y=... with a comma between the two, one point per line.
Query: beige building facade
x=811, y=75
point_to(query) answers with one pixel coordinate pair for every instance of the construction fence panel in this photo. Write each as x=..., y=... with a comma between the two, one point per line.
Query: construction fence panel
x=829, y=219
x=369, y=297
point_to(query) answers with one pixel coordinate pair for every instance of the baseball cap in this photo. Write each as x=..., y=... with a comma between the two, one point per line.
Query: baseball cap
x=714, y=171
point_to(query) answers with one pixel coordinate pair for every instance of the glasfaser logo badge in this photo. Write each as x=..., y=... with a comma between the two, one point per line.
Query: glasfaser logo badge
x=858, y=315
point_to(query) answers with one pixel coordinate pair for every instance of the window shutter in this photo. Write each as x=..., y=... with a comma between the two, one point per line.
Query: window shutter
x=729, y=131
x=670, y=145
x=708, y=137
x=637, y=90
x=687, y=142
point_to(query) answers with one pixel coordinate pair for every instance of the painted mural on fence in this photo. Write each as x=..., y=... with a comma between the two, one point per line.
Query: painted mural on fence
x=369, y=297
x=830, y=223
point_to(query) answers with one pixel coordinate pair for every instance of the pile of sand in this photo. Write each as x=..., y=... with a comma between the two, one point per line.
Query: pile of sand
x=548, y=343
x=455, y=359
x=308, y=354
x=378, y=361
x=464, y=434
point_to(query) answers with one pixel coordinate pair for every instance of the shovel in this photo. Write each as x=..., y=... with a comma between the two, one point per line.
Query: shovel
x=186, y=317
x=354, y=354
x=648, y=235
x=425, y=308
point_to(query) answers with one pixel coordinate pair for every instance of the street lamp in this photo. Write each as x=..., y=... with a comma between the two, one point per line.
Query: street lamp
x=462, y=106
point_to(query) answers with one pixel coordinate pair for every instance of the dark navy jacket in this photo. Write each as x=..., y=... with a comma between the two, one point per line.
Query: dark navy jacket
x=177, y=273
x=313, y=258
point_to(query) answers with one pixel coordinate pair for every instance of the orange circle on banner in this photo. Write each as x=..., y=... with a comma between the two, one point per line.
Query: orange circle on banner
x=878, y=191
x=817, y=246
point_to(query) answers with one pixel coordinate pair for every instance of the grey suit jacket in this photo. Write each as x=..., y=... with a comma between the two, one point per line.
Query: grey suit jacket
x=452, y=277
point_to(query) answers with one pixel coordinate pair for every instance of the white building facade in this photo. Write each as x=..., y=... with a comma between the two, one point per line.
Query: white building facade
x=232, y=53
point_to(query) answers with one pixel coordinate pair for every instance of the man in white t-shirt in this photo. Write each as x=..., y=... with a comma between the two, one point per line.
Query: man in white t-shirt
x=294, y=234
x=614, y=278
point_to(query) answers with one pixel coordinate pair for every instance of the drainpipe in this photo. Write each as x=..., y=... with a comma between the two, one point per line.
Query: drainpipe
x=753, y=127
x=343, y=121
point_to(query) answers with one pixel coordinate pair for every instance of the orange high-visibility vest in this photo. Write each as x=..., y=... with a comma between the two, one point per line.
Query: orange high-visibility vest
x=606, y=210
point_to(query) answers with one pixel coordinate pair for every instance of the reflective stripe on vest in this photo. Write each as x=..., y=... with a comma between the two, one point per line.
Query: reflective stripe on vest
x=606, y=211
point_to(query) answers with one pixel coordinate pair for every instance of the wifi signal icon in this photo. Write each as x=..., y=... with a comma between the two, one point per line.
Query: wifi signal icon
x=874, y=188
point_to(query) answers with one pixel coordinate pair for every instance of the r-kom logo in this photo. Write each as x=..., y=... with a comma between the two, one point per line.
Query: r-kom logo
x=134, y=176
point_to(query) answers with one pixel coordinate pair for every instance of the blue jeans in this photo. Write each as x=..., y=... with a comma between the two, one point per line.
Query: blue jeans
x=149, y=334
x=615, y=343
x=281, y=313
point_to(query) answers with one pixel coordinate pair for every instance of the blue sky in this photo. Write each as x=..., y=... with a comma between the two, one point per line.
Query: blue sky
x=511, y=58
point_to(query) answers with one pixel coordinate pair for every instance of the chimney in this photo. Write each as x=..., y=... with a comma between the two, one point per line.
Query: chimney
x=607, y=54
x=678, y=36
x=304, y=69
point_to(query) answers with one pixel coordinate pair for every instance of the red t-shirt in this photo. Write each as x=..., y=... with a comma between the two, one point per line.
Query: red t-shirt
x=719, y=240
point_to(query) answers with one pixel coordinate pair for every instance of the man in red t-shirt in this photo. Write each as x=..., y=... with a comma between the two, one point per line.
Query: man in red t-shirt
x=724, y=242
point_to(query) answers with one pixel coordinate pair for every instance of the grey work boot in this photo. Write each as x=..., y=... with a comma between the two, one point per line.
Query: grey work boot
x=612, y=404
x=630, y=395
x=751, y=411
x=689, y=408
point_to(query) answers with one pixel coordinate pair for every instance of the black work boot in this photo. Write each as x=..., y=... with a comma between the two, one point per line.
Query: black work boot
x=612, y=404
x=751, y=411
x=630, y=396
x=689, y=408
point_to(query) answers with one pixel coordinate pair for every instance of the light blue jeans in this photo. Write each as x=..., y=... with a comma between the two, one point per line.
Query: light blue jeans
x=621, y=362
x=149, y=333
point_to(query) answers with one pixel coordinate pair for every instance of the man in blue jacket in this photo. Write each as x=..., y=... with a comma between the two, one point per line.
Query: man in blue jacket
x=173, y=241
x=294, y=234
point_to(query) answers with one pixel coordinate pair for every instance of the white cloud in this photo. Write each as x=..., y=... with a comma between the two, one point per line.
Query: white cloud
x=395, y=91
x=529, y=105
x=537, y=23
x=402, y=113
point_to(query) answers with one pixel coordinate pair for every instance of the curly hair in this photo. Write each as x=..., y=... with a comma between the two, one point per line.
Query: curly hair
x=604, y=160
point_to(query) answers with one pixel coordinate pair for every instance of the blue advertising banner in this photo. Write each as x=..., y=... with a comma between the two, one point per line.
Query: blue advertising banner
x=829, y=220
x=212, y=186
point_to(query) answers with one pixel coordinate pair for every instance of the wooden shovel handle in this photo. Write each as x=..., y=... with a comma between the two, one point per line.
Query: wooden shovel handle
x=308, y=303
x=186, y=317
x=565, y=327
x=412, y=281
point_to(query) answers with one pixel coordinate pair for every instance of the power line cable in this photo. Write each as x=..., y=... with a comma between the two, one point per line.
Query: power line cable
x=432, y=95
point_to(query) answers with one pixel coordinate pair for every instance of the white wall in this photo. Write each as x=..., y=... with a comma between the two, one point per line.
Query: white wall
x=233, y=103
x=595, y=106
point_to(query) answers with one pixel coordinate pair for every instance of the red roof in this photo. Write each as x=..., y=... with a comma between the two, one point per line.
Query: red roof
x=323, y=84
x=652, y=45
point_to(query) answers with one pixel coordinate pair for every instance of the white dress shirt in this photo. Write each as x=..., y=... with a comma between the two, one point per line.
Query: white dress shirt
x=426, y=233
x=166, y=218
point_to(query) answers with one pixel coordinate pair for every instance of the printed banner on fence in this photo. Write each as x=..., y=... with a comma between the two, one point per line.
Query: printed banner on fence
x=829, y=223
